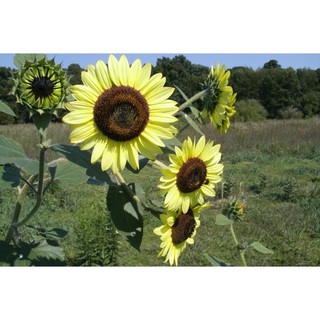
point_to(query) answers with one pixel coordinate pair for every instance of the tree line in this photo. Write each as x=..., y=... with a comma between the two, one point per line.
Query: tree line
x=280, y=92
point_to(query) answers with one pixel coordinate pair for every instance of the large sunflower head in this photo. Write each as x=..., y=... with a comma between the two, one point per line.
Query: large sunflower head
x=219, y=99
x=178, y=230
x=193, y=173
x=41, y=86
x=121, y=111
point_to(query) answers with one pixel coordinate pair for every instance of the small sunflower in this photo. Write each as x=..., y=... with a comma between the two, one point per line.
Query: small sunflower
x=41, y=86
x=178, y=230
x=194, y=171
x=121, y=111
x=220, y=99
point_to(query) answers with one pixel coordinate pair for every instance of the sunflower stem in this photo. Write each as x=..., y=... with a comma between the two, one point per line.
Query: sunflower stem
x=39, y=194
x=21, y=195
x=244, y=262
x=124, y=185
x=192, y=99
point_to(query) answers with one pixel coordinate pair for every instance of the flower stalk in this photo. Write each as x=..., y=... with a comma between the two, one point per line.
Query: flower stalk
x=243, y=259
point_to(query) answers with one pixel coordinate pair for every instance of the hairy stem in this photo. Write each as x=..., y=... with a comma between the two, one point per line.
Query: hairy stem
x=124, y=185
x=21, y=195
x=39, y=194
x=244, y=262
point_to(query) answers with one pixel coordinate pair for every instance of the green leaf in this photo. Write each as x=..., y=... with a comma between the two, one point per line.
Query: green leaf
x=11, y=152
x=7, y=254
x=261, y=248
x=20, y=59
x=185, y=97
x=53, y=233
x=222, y=220
x=125, y=214
x=83, y=159
x=214, y=261
x=10, y=176
x=41, y=121
x=70, y=173
x=45, y=254
x=6, y=109
x=192, y=123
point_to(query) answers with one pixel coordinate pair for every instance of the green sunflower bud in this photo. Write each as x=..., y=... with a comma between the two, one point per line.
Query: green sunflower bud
x=41, y=86
x=235, y=210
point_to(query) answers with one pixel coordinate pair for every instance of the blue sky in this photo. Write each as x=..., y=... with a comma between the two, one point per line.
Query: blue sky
x=231, y=60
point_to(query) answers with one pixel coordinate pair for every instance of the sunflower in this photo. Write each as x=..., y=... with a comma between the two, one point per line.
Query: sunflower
x=178, y=230
x=220, y=99
x=192, y=174
x=120, y=111
x=41, y=86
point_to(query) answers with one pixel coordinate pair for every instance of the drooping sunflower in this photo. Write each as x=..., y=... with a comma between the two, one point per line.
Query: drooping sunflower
x=219, y=100
x=192, y=174
x=178, y=230
x=41, y=86
x=121, y=111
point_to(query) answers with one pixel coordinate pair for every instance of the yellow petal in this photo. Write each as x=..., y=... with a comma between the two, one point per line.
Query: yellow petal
x=134, y=72
x=98, y=150
x=123, y=70
x=103, y=75
x=76, y=117
x=84, y=93
x=143, y=77
x=113, y=69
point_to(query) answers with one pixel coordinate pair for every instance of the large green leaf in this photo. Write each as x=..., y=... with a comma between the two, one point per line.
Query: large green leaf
x=6, y=109
x=261, y=248
x=70, y=173
x=41, y=121
x=7, y=254
x=21, y=58
x=125, y=214
x=192, y=123
x=11, y=152
x=83, y=159
x=10, y=176
x=44, y=252
x=222, y=220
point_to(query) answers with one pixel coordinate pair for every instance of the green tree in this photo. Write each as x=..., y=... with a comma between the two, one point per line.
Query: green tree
x=272, y=64
x=74, y=70
x=279, y=88
x=245, y=81
x=181, y=72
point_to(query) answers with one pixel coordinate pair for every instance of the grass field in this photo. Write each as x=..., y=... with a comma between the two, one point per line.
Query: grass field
x=274, y=165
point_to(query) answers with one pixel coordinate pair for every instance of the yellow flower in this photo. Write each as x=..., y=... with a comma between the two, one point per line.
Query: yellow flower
x=220, y=99
x=178, y=230
x=121, y=111
x=193, y=173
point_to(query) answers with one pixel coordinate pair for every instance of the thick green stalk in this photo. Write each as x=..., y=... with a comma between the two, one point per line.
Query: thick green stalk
x=192, y=99
x=39, y=194
x=21, y=195
x=237, y=244
x=133, y=195
x=23, y=192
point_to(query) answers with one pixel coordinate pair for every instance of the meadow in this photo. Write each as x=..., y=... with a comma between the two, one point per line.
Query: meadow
x=273, y=165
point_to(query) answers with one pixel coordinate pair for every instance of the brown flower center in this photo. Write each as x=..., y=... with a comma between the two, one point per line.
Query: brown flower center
x=183, y=227
x=191, y=175
x=121, y=113
x=42, y=87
